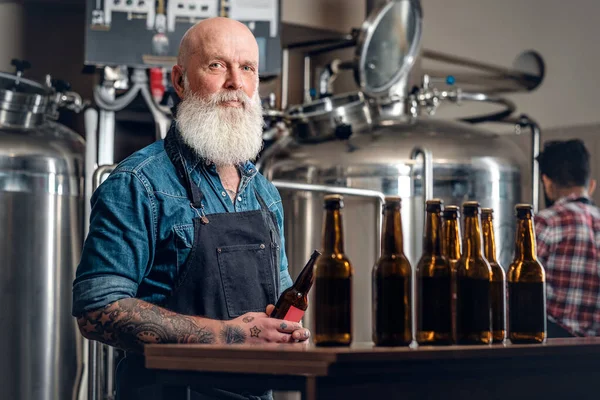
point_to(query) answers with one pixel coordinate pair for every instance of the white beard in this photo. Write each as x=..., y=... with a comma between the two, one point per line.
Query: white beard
x=222, y=135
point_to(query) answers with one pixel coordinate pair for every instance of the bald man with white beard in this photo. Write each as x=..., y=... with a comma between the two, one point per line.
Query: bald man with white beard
x=186, y=237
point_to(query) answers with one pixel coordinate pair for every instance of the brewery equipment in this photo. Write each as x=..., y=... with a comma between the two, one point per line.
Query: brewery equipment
x=41, y=204
x=383, y=140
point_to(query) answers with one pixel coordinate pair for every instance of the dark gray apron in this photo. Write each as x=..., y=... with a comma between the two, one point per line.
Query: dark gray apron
x=232, y=269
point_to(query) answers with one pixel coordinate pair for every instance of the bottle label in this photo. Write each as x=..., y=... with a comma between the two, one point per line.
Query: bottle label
x=498, y=298
x=392, y=305
x=334, y=301
x=294, y=314
x=435, y=304
x=473, y=309
x=527, y=307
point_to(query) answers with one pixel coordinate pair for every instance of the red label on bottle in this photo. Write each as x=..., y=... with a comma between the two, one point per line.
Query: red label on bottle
x=294, y=314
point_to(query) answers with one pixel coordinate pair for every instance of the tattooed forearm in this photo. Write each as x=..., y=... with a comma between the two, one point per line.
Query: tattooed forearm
x=232, y=334
x=132, y=323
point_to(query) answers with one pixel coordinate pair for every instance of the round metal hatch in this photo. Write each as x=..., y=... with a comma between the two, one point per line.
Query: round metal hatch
x=23, y=102
x=387, y=46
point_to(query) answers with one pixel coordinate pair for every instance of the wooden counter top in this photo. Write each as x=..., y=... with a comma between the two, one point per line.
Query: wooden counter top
x=558, y=367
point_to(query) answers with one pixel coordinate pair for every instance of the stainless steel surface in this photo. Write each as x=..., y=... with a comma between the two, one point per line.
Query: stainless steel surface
x=330, y=117
x=41, y=192
x=23, y=103
x=427, y=170
x=467, y=164
x=387, y=46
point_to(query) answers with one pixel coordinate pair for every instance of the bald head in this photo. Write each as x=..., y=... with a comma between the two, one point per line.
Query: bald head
x=213, y=30
x=216, y=54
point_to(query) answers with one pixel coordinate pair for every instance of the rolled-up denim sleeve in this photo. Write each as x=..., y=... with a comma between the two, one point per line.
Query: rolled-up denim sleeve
x=119, y=247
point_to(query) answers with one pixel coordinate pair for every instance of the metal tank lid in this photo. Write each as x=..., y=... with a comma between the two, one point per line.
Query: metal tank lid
x=387, y=46
x=23, y=102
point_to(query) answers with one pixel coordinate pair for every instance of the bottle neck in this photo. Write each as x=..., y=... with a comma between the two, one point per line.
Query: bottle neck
x=472, y=246
x=489, y=241
x=306, y=277
x=392, y=240
x=432, y=240
x=525, y=246
x=333, y=239
x=452, y=239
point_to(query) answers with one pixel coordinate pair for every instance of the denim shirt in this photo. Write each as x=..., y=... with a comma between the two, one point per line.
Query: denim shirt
x=141, y=229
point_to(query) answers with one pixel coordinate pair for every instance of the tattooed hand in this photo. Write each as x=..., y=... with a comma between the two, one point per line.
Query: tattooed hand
x=255, y=327
x=299, y=333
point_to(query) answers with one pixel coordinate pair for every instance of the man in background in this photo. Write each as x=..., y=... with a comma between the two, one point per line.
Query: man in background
x=568, y=240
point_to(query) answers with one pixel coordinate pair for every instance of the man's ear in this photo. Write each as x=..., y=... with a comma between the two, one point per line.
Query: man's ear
x=592, y=187
x=548, y=186
x=177, y=79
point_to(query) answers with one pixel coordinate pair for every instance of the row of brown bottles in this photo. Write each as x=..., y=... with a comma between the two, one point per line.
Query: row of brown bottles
x=460, y=292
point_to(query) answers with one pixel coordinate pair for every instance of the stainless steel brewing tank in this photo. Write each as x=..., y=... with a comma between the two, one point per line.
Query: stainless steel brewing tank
x=41, y=199
x=468, y=164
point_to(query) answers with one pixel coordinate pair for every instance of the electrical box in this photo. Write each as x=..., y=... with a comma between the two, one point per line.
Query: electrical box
x=147, y=33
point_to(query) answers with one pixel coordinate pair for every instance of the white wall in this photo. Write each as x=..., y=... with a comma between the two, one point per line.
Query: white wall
x=11, y=36
x=564, y=33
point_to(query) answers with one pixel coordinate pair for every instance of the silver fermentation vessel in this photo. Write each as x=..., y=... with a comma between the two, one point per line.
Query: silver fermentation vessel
x=383, y=141
x=41, y=199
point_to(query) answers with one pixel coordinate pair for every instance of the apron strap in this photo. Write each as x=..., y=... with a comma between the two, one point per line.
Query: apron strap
x=262, y=203
x=174, y=153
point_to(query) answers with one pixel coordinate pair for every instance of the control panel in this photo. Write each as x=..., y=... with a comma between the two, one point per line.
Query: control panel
x=190, y=10
x=146, y=33
x=145, y=8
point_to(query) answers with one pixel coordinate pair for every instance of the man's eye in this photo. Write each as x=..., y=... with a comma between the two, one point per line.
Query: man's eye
x=214, y=65
x=247, y=68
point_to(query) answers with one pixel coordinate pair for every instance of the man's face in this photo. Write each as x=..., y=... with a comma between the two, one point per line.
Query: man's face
x=223, y=63
x=220, y=114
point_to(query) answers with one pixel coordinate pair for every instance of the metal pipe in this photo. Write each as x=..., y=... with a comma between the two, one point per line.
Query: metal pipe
x=332, y=47
x=306, y=77
x=285, y=71
x=526, y=80
x=318, y=42
x=93, y=374
x=309, y=187
x=110, y=369
x=100, y=171
x=427, y=169
x=483, y=97
x=536, y=139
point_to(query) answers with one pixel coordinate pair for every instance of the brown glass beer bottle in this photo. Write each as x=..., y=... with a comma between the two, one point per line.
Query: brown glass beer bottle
x=391, y=283
x=333, y=281
x=473, y=274
x=293, y=302
x=498, y=281
x=451, y=251
x=433, y=274
x=526, y=284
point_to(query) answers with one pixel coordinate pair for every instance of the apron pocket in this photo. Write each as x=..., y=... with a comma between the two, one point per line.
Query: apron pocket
x=247, y=277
